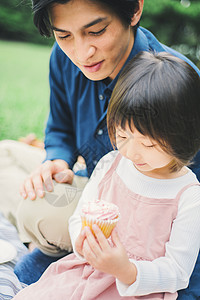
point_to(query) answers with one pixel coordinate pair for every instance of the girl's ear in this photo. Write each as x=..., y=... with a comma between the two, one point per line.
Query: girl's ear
x=137, y=15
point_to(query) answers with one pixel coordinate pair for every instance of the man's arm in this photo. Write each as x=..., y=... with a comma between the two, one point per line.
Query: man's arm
x=60, y=142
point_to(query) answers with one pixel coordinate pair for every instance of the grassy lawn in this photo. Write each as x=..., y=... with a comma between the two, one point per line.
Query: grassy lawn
x=24, y=91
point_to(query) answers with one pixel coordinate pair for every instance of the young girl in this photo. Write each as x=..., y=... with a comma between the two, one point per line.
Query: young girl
x=153, y=120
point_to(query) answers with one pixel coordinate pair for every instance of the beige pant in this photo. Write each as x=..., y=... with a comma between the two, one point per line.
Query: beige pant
x=43, y=221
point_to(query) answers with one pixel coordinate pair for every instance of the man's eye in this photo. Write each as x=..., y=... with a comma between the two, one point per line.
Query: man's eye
x=98, y=32
x=64, y=37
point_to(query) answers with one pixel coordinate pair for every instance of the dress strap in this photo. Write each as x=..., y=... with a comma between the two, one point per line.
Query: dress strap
x=185, y=188
x=116, y=161
x=112, y=168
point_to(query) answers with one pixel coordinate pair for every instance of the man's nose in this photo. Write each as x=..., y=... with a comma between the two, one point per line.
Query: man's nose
x=83, y=51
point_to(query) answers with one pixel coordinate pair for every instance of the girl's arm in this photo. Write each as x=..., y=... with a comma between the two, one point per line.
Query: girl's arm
x=171, y=272
x=90, y=193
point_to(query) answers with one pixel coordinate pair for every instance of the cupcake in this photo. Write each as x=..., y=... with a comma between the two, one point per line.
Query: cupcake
x=102, y=213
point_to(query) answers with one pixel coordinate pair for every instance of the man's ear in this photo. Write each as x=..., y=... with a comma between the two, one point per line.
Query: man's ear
x=137, y=15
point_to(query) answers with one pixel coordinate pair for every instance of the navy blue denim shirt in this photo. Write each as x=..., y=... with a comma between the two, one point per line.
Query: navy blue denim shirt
x=78, y=106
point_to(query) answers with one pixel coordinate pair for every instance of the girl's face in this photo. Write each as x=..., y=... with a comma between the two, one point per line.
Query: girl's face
x=146, y=155
x=93, y=37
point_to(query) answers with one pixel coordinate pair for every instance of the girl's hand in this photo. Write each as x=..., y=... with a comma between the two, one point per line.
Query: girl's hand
x=106, y=258
x=79, y=242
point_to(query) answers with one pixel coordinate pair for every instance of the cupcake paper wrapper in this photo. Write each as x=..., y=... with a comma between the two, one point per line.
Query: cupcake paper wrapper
x=106, y=226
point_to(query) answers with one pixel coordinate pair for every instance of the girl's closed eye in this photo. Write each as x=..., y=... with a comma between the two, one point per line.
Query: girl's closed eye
x=150, y=146
x=120, y=136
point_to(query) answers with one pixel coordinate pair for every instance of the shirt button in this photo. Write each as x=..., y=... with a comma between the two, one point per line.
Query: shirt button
x=100, y=132
x=101, y=97
x=95, y=162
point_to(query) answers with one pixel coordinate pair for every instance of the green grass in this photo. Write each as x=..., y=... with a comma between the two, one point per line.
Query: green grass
x=24, y=90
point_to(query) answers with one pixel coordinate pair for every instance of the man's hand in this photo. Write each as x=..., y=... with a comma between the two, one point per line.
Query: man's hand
x=111, y=259
x=33, y=185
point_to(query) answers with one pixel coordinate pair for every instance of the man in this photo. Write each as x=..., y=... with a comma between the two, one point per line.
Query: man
x=94, y=41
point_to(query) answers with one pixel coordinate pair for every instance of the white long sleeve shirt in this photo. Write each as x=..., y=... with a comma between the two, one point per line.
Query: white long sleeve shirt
x=171, y=272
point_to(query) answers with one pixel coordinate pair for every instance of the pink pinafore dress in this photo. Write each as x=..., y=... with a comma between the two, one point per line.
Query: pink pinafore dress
x=144, y=228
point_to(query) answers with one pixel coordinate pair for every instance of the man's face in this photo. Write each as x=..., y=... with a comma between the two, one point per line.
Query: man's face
x=92, y=36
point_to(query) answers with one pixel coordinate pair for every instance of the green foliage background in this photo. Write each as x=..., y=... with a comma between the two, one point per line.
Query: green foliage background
x=24, y=91
x=175, y=23
x=16, y=22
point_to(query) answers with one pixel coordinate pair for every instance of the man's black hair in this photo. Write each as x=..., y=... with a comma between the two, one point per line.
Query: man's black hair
x=123, y=8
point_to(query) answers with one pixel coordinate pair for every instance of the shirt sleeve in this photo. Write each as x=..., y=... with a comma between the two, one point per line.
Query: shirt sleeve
x=90, y=193
x=59, y=134
x=171, y=272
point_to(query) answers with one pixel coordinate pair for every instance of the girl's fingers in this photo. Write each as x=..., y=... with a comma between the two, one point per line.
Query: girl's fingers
x=100, y=237
x=92, y=242
x=88, y=254
x=115, y=238
x=79, y=242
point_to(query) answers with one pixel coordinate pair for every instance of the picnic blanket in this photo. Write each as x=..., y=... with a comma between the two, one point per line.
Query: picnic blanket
x=9, y=283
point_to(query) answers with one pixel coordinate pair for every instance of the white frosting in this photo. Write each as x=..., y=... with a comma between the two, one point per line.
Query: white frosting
x=100, y=209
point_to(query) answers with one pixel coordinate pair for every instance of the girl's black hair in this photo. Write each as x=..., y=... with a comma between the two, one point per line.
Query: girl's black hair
x=123, y=8
x=159, y=94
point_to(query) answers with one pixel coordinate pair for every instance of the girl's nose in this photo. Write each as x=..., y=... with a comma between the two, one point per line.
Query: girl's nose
x=133, y=152
x=136, y=157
